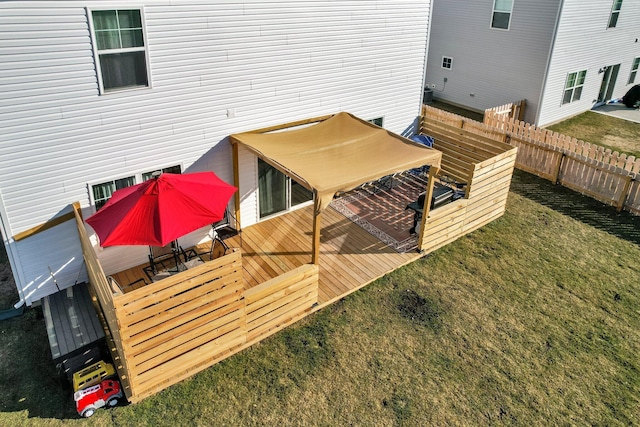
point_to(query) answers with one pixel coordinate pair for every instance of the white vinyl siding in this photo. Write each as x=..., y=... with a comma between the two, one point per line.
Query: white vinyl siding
x=268, y=62
x=495, y=66
x=574, y=52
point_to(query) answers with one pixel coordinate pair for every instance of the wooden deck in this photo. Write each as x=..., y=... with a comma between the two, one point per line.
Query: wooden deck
x=350, y=257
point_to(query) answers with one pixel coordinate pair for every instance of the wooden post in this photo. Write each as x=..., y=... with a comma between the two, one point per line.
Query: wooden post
x=625, y=192
x=556, y=172
x=315, y=250
x=433, y=171
x=236, y=182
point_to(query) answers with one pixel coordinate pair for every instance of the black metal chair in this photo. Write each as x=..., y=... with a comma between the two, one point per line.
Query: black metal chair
x=217, y=249
x=163, y=258
x=226, y=227
x=117, y=289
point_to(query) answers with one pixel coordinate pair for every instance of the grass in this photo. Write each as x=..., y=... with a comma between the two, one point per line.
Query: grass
x=531, y=320
x=609, y=132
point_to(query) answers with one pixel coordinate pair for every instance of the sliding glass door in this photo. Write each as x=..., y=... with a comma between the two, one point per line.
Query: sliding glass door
x=277, y=192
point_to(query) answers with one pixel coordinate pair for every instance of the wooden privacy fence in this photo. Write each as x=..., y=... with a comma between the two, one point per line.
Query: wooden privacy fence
x=512, y=110
x=484, y=163
x=610, y=177
x=169, y=330
x=607, y=176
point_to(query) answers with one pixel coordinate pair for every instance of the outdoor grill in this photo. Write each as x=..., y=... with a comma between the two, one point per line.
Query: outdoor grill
x=442, y=195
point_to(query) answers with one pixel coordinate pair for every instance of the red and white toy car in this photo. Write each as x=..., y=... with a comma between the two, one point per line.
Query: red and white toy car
x=107, y=393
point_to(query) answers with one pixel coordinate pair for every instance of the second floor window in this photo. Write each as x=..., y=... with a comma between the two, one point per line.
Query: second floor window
x=119, y=45
x=615, y=13
x=447, y=62
x=501, y=17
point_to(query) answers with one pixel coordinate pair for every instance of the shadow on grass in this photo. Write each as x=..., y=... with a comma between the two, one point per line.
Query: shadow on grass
x=579, y=207
x=29, y=378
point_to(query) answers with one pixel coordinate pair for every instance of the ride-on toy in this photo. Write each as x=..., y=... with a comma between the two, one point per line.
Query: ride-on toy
x=107, y=393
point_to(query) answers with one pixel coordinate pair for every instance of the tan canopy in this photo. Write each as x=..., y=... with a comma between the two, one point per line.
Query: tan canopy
x=337, y=154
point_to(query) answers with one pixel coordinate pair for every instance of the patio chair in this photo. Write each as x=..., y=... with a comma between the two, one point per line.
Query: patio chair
x=119, y=290
x=163, y=258
x=226, y=227
x=217, y=249
x=220, y=231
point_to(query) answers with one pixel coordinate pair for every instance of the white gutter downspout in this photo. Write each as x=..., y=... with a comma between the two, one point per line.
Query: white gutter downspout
x=426, y=55
x=9, y=245
x=549, y=58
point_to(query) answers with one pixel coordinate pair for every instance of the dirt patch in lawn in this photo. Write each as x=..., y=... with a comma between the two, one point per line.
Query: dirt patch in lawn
x=622, y=144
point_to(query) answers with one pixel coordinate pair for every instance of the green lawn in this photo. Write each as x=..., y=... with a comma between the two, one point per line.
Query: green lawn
x=531, y=320
x=609, y=132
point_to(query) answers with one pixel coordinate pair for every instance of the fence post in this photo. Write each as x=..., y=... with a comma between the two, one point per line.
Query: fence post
x=556, y=173
x=625, y=191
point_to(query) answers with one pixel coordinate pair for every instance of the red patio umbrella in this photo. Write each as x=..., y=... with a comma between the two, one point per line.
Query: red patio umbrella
x=158, y=211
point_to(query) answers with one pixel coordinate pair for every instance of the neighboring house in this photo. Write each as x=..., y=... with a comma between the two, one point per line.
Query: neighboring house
x=96, y=96
x=563, y=56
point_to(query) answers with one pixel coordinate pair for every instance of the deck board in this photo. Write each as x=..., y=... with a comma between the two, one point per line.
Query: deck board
x=350, y=257
x=71, y=321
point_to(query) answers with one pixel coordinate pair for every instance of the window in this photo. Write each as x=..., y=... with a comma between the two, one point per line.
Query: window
x=120, y=49
x=615, y=13
x=172, y=169
x=634, y=70
x=377, y=121
x=102, y=192
x=573, y=87
x=501, y=17
x=277, y=192
x=447, y=62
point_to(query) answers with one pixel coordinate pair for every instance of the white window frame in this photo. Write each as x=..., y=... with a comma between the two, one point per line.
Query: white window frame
x=634, y=70
x=97, y=53
x=446, y=60
x=137, y=178
x=613, y=23
x=378, y=121
x=494, y=11
x=575, y=86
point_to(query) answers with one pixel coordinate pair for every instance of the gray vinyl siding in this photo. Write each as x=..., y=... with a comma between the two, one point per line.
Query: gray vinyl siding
x=584, y=42
x=268, y=62
x=496, y=66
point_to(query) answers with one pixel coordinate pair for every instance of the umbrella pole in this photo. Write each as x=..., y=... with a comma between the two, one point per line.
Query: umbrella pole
x=176, y=254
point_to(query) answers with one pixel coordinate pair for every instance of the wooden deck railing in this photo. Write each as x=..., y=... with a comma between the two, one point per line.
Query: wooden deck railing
x=102, y=292
x=607, y=176
x=479, y=159
x=169, y=330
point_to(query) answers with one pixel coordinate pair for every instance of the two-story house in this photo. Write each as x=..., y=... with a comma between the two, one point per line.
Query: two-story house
x=98, y=95
x=563, y=56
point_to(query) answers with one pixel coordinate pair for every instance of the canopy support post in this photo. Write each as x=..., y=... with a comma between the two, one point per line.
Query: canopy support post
x=315, y=251
x=433, y=171
x=236, y=182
